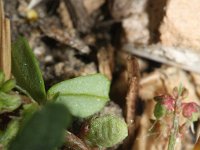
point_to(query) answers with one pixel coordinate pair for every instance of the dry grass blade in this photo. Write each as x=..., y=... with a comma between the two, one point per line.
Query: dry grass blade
x=79, y=15
x=133, y=79
x=74, y=143
x=5, y=43
x=131, y=98
x=64, y=37
x=106, y=61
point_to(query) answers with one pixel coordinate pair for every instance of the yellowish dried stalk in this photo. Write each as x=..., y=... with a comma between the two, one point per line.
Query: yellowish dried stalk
x=5, y=43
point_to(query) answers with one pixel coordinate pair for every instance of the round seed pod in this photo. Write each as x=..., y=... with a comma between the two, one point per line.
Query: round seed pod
x=159, y=110
x=106, y=131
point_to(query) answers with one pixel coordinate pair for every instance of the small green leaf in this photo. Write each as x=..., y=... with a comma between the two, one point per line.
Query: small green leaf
x=10, y=133
x=8, y=85
x=8, y=103
x=84, y=95
x=26, y=70
x=44, y=130
x=106, y=131
x=96, y=85
x=159, y=110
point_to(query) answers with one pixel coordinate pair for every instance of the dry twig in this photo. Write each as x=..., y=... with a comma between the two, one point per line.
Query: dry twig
x=131, y=98
x=106, y=61
x=74, y=143
x=5, y=43
x=174, y=56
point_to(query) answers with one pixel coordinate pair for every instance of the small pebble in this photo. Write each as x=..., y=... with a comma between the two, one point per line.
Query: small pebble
x=32, y=15
x=48, y=59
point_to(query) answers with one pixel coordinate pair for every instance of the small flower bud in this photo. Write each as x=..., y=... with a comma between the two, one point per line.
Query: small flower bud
x=164, y=104
x=184, y=93
x=191, y=111
x=168, y=102
x=175, y=92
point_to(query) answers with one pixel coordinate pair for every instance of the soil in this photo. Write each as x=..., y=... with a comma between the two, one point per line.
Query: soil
x=71, y=38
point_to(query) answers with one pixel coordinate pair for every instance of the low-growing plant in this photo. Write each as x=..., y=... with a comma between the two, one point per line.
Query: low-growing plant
x=41, y=122
x=169, y=110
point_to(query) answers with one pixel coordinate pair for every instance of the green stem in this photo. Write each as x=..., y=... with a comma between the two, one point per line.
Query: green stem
x=174, y=132
x=175, y=126
x=26, y=93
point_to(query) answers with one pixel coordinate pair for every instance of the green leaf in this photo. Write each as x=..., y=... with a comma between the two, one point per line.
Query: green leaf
x=10, y=133
x=82, y=105
x=106, y=131
x=94, y=85
x=84, y=95
x=8, y=103
x=26, y=70
x=44, y=130
x=28, y=111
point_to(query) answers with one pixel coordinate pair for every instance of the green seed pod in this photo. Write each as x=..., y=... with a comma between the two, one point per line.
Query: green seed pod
x=159, y=111
x=8, y=85
x=2, y=78
x=106, y=131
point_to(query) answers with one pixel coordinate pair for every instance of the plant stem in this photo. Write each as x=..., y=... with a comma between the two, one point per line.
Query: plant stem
x=175, y=127
x=26, y=93
x=174, y=132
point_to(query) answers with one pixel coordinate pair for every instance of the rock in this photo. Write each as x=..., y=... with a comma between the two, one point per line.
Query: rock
x=142, y=20
x=92, y=5
x=136, y=22
x=136, y=29
x=180, y=26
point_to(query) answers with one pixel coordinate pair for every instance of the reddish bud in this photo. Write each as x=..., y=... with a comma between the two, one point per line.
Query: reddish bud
x=191, y=111
x=168, y=102
x=165, y=103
